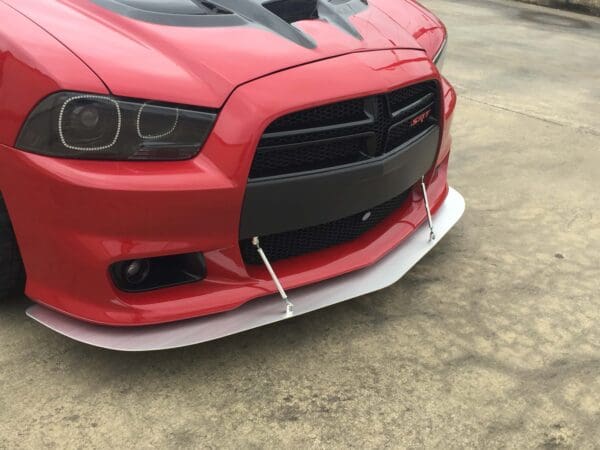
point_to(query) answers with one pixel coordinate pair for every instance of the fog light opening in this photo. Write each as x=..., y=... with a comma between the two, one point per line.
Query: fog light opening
x=142, y=275
x=136, y=272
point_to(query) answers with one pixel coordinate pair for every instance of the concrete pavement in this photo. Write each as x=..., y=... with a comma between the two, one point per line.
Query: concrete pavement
x=583, y=6
x=492, y=341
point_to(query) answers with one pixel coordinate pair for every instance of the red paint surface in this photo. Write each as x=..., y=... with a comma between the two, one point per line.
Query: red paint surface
x=75, y=218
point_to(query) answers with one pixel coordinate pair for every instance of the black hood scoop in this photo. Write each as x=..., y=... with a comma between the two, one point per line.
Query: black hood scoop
x=294, y=10
x=155, y=8
x=278, y=16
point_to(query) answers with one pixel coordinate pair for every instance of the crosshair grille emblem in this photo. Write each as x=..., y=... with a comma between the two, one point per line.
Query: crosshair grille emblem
x=393, y=127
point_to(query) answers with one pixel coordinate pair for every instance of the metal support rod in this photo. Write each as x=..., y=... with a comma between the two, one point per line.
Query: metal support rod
x=429, y=218
x=289, y=306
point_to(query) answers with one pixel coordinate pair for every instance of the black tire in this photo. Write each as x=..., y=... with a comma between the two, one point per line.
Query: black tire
x=12, y=273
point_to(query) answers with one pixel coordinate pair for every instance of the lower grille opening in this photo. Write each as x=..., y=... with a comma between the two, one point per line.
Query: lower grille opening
x=299, y=242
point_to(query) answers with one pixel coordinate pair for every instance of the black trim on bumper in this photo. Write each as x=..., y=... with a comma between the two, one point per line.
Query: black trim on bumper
x=285, y=203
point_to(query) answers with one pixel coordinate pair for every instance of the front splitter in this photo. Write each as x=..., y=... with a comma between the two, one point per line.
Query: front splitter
x=265, y=310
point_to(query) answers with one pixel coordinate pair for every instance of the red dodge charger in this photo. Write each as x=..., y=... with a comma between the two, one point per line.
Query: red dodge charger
x=176, y=171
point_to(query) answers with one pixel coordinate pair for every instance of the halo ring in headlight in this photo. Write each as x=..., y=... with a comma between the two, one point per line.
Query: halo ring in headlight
x=97, y=98
x=155, y=136
x=98, y=127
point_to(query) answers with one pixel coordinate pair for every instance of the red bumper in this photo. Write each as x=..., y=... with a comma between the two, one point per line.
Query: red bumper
x=73, y=219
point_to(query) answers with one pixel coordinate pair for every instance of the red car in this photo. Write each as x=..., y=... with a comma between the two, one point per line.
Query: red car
x=175, y=171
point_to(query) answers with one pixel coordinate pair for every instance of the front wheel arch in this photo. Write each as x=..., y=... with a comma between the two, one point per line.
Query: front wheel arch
x=12, y=271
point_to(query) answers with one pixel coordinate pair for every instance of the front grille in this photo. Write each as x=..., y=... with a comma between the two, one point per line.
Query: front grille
x=334, y=114
x=346, y=132
x=295, y=243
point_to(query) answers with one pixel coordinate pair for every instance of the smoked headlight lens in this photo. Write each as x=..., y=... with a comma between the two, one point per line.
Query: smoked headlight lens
x=74, y=125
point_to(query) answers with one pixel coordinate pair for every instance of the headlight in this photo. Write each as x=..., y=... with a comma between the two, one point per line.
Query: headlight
x=75, y=125
x=440, y=56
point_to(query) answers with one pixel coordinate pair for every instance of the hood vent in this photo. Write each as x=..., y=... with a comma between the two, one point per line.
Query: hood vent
x=176, y=7
x=211, y=8
x=293, y=10
x=278, y=16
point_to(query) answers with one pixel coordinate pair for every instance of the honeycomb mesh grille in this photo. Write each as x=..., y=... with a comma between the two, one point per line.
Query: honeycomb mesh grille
x=337, y=113
x=315, y=155
x=404, y=97
x=325, y=136
x=295, y=243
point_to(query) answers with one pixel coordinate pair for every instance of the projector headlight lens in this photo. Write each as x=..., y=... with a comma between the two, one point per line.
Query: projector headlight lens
x=74, y=125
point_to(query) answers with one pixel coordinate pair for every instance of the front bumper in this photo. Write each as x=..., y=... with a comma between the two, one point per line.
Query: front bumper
x=265, y=310
x=74, y=219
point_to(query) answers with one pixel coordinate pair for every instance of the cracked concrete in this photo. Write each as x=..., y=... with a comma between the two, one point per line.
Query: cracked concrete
x=492, y=341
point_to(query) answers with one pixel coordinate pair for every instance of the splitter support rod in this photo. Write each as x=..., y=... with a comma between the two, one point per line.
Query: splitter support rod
x=429, y=218
x=289, y=306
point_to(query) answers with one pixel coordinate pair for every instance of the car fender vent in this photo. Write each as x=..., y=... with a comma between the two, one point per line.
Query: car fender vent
x=293, y=10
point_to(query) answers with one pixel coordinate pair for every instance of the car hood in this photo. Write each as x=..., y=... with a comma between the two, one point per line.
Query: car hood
x=140, y=49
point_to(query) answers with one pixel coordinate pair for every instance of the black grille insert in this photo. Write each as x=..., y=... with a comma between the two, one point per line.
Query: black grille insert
x=346, y=132
x=334, y=114
x=295, y=243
